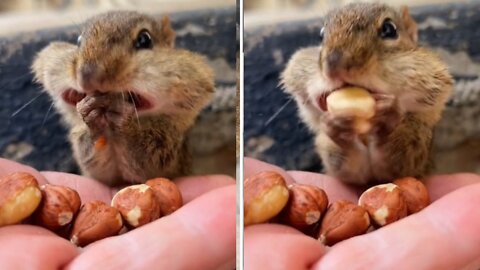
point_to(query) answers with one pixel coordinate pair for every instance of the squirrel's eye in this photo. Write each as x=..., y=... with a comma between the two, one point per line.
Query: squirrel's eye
x=79, y=40
x=388, y=30
x=322, y=33
x=144, y=40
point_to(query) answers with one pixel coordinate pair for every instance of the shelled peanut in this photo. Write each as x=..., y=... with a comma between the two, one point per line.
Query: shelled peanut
x=137, y=205
x=343, y=220
x=167, y=193
x=57, y=208
x=353, y=102
x=414, y=192
x=388, y=203
x=95, y=221
x=266, y=194
x=304, y=207
x=19, y=197
x=384, y=203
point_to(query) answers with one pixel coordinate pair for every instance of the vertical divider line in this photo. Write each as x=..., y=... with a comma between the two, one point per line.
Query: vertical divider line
x=240, y=261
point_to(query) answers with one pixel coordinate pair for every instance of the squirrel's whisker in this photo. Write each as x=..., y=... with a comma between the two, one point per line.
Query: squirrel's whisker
x=25, y=105
x=123, y=98
x=46, y=115
x=135, y=107
x=277, y=113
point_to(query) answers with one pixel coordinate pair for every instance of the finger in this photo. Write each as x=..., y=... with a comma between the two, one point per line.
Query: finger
x=335, y=189
x=231, y=265
x=200, y=235
x=444, y=235
x=87, y=188
x=25, y=230
x=252, y=166
x=271, y=246
x=194, y=186
x=440, y=185
x=29, y=247
x=7, y=167
x=272, y=228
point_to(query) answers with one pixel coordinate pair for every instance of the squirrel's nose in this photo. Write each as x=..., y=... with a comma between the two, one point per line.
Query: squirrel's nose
x=87, y=77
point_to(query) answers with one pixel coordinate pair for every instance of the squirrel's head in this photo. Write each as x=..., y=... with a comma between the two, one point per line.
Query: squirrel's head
x=111, y=42
x=131, y=54
x=374, y=46
x=118, y=52
x=358, y=35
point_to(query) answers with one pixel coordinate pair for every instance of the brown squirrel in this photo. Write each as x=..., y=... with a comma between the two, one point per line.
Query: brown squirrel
x=128, y=96
x=372, y=46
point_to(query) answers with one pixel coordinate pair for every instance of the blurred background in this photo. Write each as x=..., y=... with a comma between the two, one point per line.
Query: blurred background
x=251, y=5
x=275, y=29
x=28, y=15
x=268, y=11
x=31, y=130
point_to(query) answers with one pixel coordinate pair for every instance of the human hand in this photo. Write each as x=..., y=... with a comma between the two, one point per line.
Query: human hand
x=200, y=235
x=445, y=235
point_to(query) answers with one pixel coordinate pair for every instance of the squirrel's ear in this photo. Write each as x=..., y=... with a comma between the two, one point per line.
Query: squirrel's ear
x=410, y=24
x=168, y=34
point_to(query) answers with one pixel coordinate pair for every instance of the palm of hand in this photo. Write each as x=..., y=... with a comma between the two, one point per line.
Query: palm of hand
x=445, y=235
x=183, y=234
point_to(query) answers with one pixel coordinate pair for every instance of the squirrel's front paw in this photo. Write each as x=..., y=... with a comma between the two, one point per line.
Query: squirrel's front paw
x=387, y=116
x=104, y=110
x=340, y=129
x=93, y=109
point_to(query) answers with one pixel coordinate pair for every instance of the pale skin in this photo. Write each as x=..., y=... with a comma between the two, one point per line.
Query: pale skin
x=444, y=235
x=208, y=241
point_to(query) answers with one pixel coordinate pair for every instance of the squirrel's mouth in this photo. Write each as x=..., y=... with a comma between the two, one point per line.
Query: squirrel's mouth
x=72, y=97
x=322, y=101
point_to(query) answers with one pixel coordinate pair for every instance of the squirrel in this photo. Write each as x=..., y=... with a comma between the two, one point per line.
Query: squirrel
x=372, y=46
x=127, y=95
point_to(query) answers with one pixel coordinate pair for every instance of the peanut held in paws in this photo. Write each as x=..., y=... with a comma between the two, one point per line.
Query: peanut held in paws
x=265, y=195
x=415, y=194
x=58, y=207
x=305, y=207
x=342, y=221
x=384, y=203
x=353, y=102
x=19, y=197
x=137, y=204
x=167, y=193
x=96, y=220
